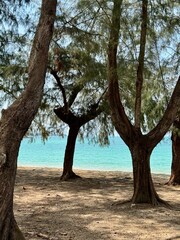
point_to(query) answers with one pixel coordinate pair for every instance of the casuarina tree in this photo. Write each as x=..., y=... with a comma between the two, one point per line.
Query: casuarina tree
x=80, y=84
x=17, y=118
x=141, y=145
x=74, y=120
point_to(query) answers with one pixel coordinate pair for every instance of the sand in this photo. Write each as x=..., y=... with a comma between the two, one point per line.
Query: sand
x=88, y=209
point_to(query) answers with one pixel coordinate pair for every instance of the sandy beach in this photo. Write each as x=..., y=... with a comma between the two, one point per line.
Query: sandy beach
x=88, y=209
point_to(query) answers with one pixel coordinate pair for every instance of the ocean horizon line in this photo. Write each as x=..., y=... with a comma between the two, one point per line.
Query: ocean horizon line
x=115, y=157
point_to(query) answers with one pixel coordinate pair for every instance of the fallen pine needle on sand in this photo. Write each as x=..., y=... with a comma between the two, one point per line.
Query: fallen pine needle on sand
x=86, y=209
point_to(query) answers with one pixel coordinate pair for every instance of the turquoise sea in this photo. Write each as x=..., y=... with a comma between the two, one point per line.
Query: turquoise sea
x=115, y=157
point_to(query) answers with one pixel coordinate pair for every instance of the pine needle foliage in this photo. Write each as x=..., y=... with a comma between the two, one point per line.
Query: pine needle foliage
x=80, y=45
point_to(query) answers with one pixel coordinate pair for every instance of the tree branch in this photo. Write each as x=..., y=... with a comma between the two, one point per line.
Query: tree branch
x=119, y=117
x=140, y=70
x=156, y=134
x=54, y=73
x=74, y=94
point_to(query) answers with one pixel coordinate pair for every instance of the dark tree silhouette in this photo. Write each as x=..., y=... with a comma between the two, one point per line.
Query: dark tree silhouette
x=75, y=121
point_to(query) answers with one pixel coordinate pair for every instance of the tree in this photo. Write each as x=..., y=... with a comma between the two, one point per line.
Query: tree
x=79, y=85
x=140, y=145
x=17, y=118
x=80, y=80
x=175, y=166
x=75, y=120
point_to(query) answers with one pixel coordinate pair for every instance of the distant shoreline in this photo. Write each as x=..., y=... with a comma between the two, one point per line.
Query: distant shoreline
x=115, y=157
x=89, y=171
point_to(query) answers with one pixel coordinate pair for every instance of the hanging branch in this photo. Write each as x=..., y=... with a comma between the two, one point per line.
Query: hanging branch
x=161, y=71
x=93, y=111
x=101, y=97
x=74, y=94
x=54, y=73
x=140, y=70
x=105, y=13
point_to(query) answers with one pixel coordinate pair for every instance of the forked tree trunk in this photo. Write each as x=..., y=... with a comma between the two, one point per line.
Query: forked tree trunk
x=144, y=191
x=69, y=154
x=175, y=167
x=140, y=145
x=17, y=118
x=74, y=122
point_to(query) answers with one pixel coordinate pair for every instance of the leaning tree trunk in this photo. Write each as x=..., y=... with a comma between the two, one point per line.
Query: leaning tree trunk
x=69, y=154
x=17, y=118
x=8, y=225
x=175, y=167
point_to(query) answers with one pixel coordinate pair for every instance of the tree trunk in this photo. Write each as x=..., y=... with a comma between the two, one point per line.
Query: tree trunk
x=144, y=191
x=8, y=226
x=175, y=167
x=17, y=118
x=69, y=154
x=74, y=122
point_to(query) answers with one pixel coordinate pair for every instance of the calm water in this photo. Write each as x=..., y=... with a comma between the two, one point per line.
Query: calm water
x=114, y=157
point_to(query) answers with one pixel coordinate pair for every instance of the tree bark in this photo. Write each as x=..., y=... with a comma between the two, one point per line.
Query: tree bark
x=17, y=118
x=140, y=69
x=8, y=225
x=144, y=191
x=175, y=166
x=120, y=120
x=69, y=154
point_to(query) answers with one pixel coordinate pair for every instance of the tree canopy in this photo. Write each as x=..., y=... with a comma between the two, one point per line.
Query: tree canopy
x=81, y=38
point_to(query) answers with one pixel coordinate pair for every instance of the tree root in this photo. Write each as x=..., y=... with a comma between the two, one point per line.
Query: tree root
x=121, y=202
x=11, y=231
x=156, y=203
x=69, y=176
x=172, y=183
